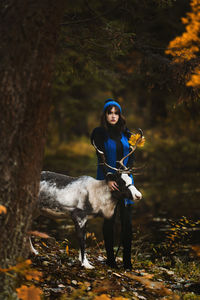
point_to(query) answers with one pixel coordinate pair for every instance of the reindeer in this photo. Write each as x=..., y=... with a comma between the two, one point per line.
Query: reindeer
x=84, y=197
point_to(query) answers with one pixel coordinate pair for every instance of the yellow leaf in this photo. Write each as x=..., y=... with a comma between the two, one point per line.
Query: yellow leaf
x=67, y=250
x=45, y=245
x=3, y=209
x=102, y=297
x=28, y=293
x=134, y=139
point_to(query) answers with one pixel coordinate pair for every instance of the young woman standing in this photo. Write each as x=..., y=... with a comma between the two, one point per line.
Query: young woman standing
x=112, y=138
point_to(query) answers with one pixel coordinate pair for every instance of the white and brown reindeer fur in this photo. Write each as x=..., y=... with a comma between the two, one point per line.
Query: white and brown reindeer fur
x=82, y=197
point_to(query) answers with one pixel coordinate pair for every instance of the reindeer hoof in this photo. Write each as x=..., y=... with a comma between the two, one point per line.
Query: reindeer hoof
x=34, y=251
x=87, y=265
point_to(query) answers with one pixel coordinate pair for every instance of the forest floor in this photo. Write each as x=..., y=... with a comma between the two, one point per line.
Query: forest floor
x=166, y=277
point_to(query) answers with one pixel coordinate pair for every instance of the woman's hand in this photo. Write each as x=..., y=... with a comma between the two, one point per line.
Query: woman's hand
x=113, y=185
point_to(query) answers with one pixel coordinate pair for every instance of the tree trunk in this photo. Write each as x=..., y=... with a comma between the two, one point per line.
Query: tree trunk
x=28, y=32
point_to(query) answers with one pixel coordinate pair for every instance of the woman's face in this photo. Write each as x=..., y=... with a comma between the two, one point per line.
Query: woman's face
x=112, y=116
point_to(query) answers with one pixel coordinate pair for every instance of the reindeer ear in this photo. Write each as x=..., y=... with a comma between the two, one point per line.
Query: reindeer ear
x=110, y=177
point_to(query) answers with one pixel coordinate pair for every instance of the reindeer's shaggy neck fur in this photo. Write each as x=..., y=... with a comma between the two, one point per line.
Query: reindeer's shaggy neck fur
x=101, y=199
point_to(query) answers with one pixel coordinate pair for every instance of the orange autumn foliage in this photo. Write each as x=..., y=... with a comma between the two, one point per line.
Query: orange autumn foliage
x=106, y=297
x=18, y=267
x=195, y=78
x=186, y=46
x=29, y=293
x=24, y=269
x=3, y=209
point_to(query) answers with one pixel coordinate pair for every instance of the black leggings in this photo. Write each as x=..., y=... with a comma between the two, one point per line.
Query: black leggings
x=126, y=233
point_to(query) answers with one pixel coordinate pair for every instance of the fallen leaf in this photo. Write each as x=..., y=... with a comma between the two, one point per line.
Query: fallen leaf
x=29, y=293
x=67, y=249
x=102, y=297
x=39, y=234
x=117, y=275
x=33, y=274
x=120, y=298
x=196, y=249
x=107, y=285
x=149, y=284
x=147, y=275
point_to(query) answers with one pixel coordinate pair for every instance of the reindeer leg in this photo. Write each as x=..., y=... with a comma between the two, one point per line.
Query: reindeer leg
x=80, y=221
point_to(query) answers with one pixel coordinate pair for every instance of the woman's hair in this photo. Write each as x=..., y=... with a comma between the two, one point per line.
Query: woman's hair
x=121, y=124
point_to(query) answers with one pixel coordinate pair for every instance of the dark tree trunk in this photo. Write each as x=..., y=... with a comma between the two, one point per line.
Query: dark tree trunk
x=28, y=34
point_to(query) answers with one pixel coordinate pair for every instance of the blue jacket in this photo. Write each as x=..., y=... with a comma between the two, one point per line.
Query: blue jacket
x=114, y=147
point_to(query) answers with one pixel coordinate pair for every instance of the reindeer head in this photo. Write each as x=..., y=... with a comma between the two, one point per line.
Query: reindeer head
x=126, y=188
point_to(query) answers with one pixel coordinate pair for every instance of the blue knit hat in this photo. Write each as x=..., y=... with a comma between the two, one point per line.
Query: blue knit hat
x=111, y=102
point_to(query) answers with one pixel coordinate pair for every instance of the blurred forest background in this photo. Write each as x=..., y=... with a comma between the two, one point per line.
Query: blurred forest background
x=143, y=53
x=118, y=49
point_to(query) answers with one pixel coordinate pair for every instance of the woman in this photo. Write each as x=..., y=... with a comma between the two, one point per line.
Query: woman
x=112, y=138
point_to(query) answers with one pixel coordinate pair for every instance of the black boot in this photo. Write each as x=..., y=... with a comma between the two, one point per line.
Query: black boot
x=127, y=258
x=111, y=263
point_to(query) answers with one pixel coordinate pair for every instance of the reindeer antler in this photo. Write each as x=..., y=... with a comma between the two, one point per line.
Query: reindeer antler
x=103, y=158
x=132, y=150
x=124, y=168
